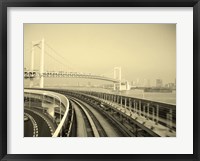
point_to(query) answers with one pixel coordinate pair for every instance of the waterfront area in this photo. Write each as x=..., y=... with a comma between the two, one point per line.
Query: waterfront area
x=154, y=96
x=169, y=98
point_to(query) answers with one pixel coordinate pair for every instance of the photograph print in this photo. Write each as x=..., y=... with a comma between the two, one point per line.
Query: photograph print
x=99, y=80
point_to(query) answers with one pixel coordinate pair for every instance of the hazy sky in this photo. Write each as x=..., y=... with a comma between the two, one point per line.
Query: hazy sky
x=143, y=51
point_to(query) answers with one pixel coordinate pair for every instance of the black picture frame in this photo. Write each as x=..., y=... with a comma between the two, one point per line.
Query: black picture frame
x=4, y=4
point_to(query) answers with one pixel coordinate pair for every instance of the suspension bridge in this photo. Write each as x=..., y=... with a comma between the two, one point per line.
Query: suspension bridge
x=61, y=69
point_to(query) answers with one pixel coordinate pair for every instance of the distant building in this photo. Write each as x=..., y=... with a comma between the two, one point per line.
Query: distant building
x=125, y=86
x=170, y=85
x=159, y=83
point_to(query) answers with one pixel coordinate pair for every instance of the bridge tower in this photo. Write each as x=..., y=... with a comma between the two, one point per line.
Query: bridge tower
x=32, y=62
x=117, y=75
x=42, y=64
x=40, y=42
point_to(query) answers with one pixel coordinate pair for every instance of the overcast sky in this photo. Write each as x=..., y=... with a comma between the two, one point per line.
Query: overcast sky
x=143, y=51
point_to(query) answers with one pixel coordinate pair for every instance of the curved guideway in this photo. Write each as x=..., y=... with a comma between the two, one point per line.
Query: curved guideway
x=28, y=127
x=43, y=128
x=109, y=129
x=100, y=124
x=81, y=129
x=90, y=127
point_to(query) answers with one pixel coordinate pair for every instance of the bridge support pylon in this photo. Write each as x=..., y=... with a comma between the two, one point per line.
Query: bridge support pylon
x=117, y=75
x=42, y=64
x=41, y=81
x=32, y=63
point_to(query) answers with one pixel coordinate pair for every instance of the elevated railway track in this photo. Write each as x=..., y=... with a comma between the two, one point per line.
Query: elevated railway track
x=94, y=115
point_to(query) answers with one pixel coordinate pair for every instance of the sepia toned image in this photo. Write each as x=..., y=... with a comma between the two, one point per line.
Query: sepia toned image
x=99, y=80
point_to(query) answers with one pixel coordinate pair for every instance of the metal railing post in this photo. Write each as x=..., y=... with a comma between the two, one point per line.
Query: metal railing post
x=125, y=104
x=148, y=111
x=139, y=107
x=144, y=111
x=157, y=114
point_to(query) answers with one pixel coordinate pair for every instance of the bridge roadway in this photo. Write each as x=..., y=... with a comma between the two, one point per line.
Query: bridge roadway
x=53, y=74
